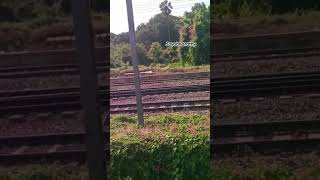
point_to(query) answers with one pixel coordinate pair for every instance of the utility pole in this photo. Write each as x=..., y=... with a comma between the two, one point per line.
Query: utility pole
x=95, y=140
x=135, y=62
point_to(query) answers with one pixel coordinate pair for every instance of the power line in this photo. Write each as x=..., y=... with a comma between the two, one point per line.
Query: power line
x=182, y=1
x=156, y=9
x=179, y=3
x=173, y=4
x=176, y=5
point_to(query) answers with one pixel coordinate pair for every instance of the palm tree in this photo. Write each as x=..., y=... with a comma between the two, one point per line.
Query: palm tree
x=166, y=9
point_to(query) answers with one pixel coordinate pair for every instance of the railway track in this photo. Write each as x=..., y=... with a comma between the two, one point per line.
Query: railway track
x=40, y=148
x=163, y=106
x=267, y=138
x=267, y=54
x=48, y=57
x=59, y=70
x=52, y=70
x=21, y=65
x=69, y=98
x=264, y=85
x=150, y=79
x=232, y=87
x=264, y=138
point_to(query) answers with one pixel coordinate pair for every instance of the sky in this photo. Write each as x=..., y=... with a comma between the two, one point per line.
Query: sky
x=143, y=10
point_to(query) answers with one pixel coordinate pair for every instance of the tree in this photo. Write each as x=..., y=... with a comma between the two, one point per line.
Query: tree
x=121, y=38
x=200, y=34
x=184, y=36
x=166, y=9
x=195, y=28
x=148, y=33
x=156, y=30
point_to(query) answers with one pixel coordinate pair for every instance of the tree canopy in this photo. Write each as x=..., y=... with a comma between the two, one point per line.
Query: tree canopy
x=156, y=30
x=152, y=37
x=195, y=28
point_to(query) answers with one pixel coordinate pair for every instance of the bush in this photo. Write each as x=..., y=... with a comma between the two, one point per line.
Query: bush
x=120, y=55
x=168, y=147
x=159, y=55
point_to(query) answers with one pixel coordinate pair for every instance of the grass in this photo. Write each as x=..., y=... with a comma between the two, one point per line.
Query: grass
x=169, y=146
x=172, y=146
x=267, y=23
x=173, y=124
x=306, y=167
x=44, y=172
x=160, y=68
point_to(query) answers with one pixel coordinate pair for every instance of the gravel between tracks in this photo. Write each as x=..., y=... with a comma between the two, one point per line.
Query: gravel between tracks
x=40, y=148
x=266, y=66
x=163, y=84
x=299, y=107
x=60, y=81
x=32, y=123
x=7, y=150
x=163, y=97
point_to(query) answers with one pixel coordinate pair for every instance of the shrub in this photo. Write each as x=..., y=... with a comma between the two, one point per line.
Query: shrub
x=171, y=146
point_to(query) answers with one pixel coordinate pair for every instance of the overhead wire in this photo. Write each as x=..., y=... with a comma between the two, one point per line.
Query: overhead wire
x=150, y=9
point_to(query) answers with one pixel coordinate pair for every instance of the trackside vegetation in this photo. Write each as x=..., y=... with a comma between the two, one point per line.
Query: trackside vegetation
x=153, y=37
x=169, y=146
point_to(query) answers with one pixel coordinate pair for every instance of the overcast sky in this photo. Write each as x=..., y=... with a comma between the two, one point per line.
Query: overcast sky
x=143, y=10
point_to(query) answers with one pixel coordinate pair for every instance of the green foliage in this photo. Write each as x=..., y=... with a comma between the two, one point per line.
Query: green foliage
x=120, y=55
x=119, y=38
x=196, y=25
x=124, y=119
x=200, y=54
x=142, y=54
x=159, y=55
x=164, y=27
x=165, y=7
x=177, y=118
x=156, y=30
x=163, y=154
x=154, y=53
x=171, y=55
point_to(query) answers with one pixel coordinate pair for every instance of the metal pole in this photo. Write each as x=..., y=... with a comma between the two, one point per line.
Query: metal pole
x=135, y=62
x=95, y=140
